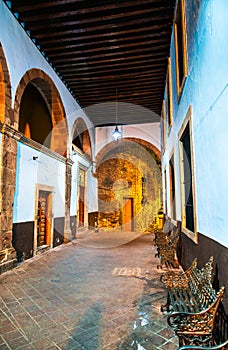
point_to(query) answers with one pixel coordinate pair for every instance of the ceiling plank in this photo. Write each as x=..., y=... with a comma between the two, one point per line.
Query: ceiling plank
x=98, y=47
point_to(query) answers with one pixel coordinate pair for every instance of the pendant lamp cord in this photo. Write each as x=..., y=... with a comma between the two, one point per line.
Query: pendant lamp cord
x=116, y=109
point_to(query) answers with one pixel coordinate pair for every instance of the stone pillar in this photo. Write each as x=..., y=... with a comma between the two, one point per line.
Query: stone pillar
x=67, y=227
x=7, y=188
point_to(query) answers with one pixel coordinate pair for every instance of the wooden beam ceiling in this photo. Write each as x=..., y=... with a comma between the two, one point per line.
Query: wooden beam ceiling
x=100, y=47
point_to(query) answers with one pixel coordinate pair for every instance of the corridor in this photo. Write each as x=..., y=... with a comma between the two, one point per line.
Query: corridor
x=101, y=291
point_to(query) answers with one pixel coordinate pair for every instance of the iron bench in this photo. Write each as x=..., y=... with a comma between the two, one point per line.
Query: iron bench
x=162, y=235
x=166, y=247
x=192, y=304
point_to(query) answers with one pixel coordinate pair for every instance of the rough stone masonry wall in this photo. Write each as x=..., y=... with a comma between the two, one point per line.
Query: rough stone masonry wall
x=7, y=186
x=121, y=174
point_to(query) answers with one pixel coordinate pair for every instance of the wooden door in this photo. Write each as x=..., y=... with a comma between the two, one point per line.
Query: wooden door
x=127, y=216
x=81, y=206
x=44, y=218
x=81, y=197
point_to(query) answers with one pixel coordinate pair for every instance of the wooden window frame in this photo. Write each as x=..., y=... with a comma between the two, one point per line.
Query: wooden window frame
x=188, y=121
x=180, y=85
x=169, y=94
x=165, y=199
x=173, y=213
x=163, y=122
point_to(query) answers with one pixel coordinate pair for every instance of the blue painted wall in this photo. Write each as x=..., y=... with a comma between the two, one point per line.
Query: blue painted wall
x=206, y=89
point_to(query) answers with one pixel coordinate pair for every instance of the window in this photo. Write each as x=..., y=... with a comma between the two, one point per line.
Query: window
x=163, y=127
x=169, y=96
x=187, y=179
x=165, y=192
x=180, y=45
x=172, y=188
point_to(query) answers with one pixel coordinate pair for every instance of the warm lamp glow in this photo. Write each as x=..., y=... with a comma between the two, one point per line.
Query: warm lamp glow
x=27, y=131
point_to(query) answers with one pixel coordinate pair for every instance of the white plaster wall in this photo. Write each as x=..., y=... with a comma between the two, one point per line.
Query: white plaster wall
x=211, y=143
x=74, y=189
x=103, y=137
x=206, y=89
x=92, y=193
x=147, y=132
x=46, y=171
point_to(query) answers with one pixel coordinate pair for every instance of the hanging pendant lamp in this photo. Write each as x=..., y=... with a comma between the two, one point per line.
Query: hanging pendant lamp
x=116, y=134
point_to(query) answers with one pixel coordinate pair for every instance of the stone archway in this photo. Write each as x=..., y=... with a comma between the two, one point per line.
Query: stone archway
x=59, y=133
x=6, y=113
x=100, y=155
x=43, y=83
x=128, y=171
x=81, y=137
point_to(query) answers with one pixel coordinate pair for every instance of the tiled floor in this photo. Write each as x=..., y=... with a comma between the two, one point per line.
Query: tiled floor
x=101, y=291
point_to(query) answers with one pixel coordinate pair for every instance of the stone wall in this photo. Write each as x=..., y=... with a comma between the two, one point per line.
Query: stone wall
x=128, y=171
x=7, y=187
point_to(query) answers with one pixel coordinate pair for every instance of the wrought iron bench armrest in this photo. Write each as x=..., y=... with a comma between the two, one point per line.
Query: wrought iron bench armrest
x=223, y=346
x=200, y=322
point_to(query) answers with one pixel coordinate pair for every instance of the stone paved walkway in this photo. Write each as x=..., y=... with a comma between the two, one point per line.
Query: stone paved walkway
x=97, y=292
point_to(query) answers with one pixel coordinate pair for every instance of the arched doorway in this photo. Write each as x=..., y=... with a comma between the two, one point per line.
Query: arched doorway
x=40, y=116
x=82, y=157
x=129, y=185
x=34, y=117
x=81, y=137
x=39, y=111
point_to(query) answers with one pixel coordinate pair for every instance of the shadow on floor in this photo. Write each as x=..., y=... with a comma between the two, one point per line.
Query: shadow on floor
x=148, y=331
x=86, y=334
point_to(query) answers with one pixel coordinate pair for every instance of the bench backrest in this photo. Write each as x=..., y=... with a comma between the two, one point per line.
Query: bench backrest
x=200, y=284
